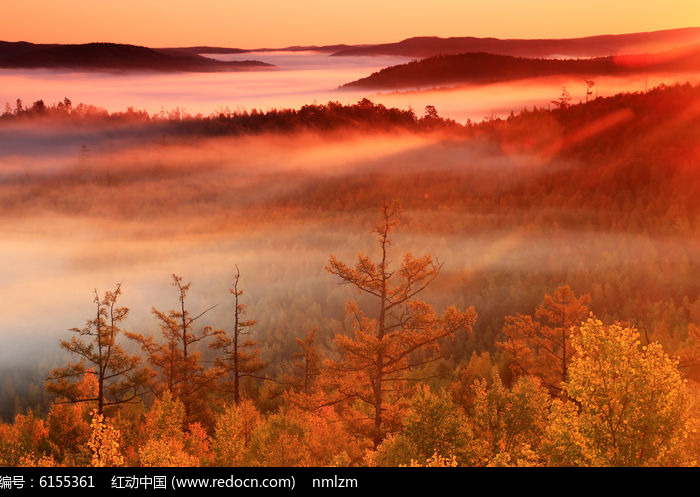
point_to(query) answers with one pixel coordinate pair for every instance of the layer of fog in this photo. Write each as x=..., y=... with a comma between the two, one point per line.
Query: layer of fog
x=299, y=79
x=136, y=213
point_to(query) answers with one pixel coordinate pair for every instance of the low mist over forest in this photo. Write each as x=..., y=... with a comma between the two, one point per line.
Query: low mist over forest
x=394, y=235
x=599, y=201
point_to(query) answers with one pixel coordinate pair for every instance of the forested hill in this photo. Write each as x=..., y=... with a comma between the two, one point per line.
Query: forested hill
x=481, y=67
x=110, y=56
x=654, y=106
x=642, y=145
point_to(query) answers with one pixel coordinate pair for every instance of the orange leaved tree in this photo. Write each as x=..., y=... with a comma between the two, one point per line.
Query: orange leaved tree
x=181, y=371
x=308, y=361
x=378, y=358
x=541, y=345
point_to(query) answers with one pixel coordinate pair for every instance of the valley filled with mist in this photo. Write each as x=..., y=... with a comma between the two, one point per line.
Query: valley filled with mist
x=518, y=190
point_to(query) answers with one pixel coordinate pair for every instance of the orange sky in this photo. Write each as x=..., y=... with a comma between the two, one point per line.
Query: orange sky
x=277, y=23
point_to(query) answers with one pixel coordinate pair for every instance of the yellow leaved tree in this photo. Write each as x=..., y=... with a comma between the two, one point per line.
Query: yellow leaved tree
x=629, y=405
x=104, y=443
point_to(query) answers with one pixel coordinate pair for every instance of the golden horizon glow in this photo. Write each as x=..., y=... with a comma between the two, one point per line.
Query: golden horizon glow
x=280, y=23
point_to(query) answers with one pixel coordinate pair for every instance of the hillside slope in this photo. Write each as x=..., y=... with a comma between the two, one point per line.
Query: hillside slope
x=476, y=68
x=109, y=56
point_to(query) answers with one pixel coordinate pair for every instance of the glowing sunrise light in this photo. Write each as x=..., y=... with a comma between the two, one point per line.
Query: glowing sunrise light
x=278, y=23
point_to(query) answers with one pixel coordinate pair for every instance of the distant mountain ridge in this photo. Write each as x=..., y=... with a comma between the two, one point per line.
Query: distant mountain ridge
x=116, y=56
x=110, y=56
x=428, y=46
x=589, y=46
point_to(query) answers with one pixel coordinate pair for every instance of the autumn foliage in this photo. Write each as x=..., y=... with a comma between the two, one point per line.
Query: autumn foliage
x=379, y=358
x=583, y=393
x=575, y=364
x=540, y=346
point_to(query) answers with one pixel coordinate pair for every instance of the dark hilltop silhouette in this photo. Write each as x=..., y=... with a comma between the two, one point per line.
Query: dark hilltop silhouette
x=428, y=46
x=590, y=46
x=481, y=68
x=111, y=56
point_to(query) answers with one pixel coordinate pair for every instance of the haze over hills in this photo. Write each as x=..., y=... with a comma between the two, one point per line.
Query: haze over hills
x=111, y=56
x=480, y=67
x=331, y=49
x=117, y=56
x=200, y=50
x=427, y=46
x=590, y=46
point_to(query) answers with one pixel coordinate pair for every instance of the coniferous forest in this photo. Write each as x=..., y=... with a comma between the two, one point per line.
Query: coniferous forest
x=357, y=285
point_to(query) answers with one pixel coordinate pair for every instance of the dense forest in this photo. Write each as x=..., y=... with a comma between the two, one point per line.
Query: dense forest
x=528, y=294
x=317, y=117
